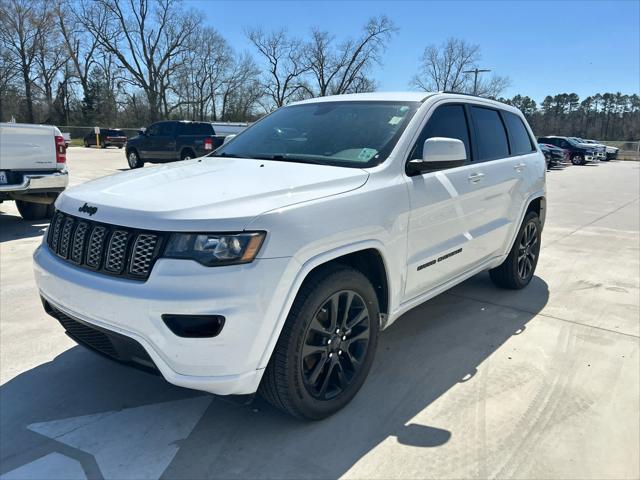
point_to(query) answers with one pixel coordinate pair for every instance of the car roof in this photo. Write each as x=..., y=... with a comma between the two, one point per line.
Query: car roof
x=371, y=96
x=405, y=97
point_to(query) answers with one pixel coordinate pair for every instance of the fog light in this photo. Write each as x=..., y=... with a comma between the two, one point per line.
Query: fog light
x=194, y=326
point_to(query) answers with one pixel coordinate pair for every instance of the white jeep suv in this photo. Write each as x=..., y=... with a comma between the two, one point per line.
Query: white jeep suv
x=273, y=264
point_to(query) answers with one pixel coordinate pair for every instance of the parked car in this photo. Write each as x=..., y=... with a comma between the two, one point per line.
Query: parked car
x=67, y=139
x=172, y=140
x=579, y=153
x=600, y=149
x=274, y=263
x=553, y=155
x=108, y=137
x=32, y=167
x=612, y=152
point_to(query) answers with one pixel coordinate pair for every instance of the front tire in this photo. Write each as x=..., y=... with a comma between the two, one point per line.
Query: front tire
x=134, y=159
x=578, y=160
x=518, y=268
x=326, y=347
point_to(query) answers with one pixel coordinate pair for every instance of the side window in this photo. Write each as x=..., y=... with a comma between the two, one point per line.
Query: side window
x=491, y=137
x=165, y=130
x=447, y=121
x=153, y=129
x=518, y=135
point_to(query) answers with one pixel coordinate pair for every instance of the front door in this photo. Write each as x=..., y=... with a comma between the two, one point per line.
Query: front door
x=442, y=205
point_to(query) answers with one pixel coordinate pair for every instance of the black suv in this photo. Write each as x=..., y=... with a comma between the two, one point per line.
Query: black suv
x=172, y=140
x=579, y=153
x=108, y=137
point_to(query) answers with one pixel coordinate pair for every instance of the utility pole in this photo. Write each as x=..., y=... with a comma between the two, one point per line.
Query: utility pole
x=475, y=72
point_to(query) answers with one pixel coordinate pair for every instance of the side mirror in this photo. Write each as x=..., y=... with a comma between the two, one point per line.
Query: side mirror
x=438, y=153
x=228, y=138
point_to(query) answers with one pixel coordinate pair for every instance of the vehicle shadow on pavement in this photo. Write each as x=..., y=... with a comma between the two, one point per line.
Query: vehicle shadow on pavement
x=426, y=353
x=13, y=227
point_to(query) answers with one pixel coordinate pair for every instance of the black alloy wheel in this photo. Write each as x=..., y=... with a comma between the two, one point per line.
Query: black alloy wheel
x=527, y=251
x=335, y=345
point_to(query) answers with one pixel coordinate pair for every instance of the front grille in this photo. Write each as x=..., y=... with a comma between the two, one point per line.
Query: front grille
x=108, y=249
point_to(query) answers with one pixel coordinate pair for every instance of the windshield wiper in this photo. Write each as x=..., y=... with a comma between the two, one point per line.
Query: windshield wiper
x=225, y=154
x=286, y=158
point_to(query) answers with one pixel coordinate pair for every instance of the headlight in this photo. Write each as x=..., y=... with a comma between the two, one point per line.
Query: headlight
x=213, y=249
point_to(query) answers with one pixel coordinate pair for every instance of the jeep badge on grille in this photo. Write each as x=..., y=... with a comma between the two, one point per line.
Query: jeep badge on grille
x=87, y=209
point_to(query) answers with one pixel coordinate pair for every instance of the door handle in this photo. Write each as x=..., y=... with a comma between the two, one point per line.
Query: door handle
x=519, y=167
x=475, y=177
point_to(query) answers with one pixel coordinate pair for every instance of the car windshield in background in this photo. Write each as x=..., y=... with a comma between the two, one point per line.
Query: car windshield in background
x=349, y=134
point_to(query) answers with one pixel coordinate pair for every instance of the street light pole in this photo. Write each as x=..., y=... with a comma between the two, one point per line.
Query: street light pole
x=475, y=72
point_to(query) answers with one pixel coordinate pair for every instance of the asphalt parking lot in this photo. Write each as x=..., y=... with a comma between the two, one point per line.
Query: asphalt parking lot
x=476, y=383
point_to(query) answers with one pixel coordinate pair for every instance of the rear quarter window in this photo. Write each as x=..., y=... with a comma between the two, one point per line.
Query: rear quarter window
x=519, y=138
x=491, y=136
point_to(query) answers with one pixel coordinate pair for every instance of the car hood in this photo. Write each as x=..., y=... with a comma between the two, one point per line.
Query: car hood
x=205, y=194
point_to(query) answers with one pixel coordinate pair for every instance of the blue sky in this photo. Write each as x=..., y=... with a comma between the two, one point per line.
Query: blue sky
x=545, y=47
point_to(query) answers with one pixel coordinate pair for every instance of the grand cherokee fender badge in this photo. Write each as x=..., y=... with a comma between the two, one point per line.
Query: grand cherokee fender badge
x=87, y=209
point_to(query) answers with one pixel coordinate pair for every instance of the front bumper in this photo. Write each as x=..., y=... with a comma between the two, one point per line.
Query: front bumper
x=34, y=182
x=250, y=296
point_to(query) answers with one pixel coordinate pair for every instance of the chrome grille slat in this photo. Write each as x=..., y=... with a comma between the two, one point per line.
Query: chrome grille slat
x=96, y=242
x=106, y=249
x=79, y=238
x=143, y=250
x=116, y=251
x=65, y=237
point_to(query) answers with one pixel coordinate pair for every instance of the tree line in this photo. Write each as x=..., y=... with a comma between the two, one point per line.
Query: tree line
x=606, y=116
x=130, y=62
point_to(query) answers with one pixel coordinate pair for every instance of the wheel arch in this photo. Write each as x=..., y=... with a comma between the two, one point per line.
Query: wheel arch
x=184, y=150
x=367, y=257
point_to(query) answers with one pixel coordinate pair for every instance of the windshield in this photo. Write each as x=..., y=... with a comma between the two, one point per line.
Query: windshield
x=349, y=134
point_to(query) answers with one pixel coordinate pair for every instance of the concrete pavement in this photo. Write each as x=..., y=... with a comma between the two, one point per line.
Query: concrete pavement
x=476, y=383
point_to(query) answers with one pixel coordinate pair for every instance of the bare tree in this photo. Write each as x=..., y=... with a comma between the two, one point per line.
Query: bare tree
x=491, y=88
x=81, y=47
x=442, y=66
x=284, y=57
x=241, y=89
x=23, y=26
x=198, y=82
x=148, y=37
x=8, y=74
x=343, y=68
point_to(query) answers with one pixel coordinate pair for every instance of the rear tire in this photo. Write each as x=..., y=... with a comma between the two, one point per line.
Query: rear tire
x=187, y=155
x=34, y=211
x=518, y=268
x=134, y=160
x=325, y=349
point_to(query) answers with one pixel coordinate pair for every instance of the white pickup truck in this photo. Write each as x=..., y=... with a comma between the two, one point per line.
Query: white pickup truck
x=33, y=168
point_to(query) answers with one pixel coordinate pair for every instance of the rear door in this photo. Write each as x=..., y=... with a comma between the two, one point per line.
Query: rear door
x=491, y=216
